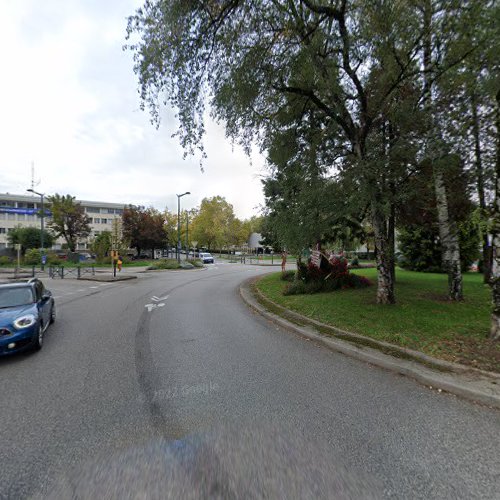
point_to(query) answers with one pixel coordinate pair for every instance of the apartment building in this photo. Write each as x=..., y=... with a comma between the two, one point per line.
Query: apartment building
x=22, y=210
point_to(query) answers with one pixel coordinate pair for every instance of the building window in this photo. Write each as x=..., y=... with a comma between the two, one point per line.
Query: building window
x=93, y=210
x=97, y=233
x=4, y=203
x=11, y=216
x=104, y=221
x=97, y=221
x=2, y=230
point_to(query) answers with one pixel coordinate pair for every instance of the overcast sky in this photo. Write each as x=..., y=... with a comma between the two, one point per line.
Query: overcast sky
x=70, y=105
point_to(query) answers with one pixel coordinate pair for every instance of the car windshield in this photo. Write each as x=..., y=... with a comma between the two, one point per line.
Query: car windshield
x=11, y=297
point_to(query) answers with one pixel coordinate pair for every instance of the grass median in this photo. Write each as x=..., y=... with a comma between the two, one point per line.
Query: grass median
x=422, y=319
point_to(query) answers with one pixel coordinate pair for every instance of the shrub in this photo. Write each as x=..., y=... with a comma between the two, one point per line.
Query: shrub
x=333, y=274
x=165, y=264
x=32, y=257
x=5, y=261
x=196, y=262
x=53, y=259
x=355, y=262
x=288, y=276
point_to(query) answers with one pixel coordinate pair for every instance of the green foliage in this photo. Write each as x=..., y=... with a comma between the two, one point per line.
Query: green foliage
x=215, y=225
x=420, y=247
x=68, y=219
x=333, y=274
x=101, y=245
x=32, y=257
x=288, y=276
x=5, y=261
x=30, y=237
x=165, y=264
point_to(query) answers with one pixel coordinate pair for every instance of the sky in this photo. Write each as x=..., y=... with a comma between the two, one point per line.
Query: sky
x=70, y=106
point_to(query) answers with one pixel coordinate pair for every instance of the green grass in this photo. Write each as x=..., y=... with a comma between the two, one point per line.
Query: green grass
x=422, y=319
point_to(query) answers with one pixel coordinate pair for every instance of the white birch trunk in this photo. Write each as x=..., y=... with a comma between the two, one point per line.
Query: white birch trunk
x=495, y=268
x=449, y=239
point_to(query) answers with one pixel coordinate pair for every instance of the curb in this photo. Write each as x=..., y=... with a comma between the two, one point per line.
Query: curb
x=107, y=278
x=469, y=383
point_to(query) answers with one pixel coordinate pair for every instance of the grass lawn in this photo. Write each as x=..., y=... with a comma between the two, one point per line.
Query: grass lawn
x=423, y=319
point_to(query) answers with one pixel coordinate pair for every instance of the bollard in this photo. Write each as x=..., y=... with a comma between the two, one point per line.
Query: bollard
x=78, y=273
x=61, y=272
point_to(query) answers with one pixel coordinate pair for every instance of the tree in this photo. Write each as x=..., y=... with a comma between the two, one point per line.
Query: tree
x=101, y=245
x=213, y=225
x=29, y=237
x=348, y=61
x=68, y=219
x=144, y=228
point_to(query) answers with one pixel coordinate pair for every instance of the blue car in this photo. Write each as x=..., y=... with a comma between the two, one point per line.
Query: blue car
x=26, y=311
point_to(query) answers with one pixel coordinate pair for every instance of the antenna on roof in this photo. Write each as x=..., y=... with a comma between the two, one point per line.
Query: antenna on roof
x=33, y=182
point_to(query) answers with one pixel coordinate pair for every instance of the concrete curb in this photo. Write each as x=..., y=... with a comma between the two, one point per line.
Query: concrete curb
x=110, y=279
x=476, y=385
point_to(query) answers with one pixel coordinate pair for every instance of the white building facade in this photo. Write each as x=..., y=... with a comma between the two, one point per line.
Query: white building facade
x=22, y=210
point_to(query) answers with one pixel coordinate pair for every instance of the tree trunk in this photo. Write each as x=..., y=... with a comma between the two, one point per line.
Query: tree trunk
x=385, y=258
x=495, y=269
x=480, y=183
x=449, y=238
x=447, y=228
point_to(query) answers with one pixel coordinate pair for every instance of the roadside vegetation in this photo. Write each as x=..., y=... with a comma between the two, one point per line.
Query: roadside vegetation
x=424, y=318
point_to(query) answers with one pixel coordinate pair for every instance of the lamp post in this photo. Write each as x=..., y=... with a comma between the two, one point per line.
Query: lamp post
x=42, y=217
x=187, y=235
x=179, y=196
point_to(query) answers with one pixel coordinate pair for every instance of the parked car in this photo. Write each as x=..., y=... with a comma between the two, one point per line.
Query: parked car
x=206, y=258
x=26, y=311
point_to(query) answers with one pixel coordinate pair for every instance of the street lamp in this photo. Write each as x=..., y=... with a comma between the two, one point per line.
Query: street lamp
x=42, y=217
x=179, y=196
x=187, y=235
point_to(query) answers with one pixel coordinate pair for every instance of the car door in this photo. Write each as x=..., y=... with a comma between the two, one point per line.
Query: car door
x=43, y=302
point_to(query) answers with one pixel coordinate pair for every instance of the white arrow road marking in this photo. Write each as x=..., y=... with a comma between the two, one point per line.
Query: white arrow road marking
x=150, y=307
x=157, y=299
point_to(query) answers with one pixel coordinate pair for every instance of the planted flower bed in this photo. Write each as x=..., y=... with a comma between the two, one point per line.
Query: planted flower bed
x=332, y=274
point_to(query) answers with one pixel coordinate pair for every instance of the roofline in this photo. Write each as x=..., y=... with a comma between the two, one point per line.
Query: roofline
x=84, y=203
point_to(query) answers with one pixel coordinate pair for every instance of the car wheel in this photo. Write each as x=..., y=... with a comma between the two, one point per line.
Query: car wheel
x=53, y=314
x=39, y=338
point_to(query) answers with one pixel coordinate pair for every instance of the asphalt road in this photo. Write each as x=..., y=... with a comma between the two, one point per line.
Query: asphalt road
x=169, y=385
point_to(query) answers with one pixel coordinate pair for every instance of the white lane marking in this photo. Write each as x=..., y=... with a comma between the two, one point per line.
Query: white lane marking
x=157, y=299
x=93, y=287
x=150, y=307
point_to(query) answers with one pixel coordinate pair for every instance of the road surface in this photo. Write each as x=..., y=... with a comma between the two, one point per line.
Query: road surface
x=174, y=365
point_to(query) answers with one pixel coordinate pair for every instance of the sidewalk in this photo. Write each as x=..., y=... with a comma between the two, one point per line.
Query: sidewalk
x=467, y=382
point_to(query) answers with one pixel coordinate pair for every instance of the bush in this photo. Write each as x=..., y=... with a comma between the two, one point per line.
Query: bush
x=330, y=284
x=5, y=261
x=32, y=257
x=53, y=259
x=165, y=264
x=333, y=274
x=420, y=247
x=355, y=262
x=288, y=276
x=196, y=262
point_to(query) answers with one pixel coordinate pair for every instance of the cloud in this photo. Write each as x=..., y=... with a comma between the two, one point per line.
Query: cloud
x=71, y=105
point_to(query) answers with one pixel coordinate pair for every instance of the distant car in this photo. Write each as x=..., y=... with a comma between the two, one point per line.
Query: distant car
x=206, y=258
x=26, y=311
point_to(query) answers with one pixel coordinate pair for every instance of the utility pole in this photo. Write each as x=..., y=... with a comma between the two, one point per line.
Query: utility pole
x=179, y=196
